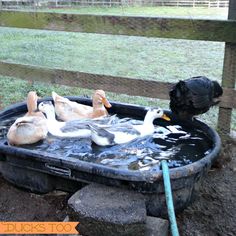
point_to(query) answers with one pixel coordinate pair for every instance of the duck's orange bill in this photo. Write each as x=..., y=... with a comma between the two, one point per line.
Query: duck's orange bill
x=165, y=117
x=106, y=103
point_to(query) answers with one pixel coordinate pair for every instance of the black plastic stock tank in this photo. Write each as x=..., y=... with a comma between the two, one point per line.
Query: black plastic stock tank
x=42, y=172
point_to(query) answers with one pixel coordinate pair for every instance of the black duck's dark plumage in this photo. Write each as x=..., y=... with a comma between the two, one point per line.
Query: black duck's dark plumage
x=194, y=96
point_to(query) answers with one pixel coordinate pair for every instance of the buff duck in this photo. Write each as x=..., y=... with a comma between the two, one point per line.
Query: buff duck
x=194, y=96
x=123, y=133
x=69, y=110
x=30, y=128
x=27, y=130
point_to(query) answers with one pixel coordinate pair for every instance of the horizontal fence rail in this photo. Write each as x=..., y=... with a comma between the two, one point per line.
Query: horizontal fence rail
x=177, y=28
x=140, y=87
x=17, y=4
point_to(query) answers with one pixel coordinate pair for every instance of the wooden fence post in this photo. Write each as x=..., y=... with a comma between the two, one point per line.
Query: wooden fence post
x=228, y=78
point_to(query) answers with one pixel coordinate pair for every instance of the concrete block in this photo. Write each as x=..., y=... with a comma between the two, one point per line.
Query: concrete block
x=156, y=227
x=108, y=211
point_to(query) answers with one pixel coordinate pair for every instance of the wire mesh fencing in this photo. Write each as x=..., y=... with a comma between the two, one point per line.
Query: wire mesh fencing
x=132, y=69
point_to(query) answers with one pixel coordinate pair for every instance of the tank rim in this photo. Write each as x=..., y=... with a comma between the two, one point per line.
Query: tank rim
x=147, y=176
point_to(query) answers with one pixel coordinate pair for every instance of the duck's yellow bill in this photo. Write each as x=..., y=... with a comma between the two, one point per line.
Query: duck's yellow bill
x=106, y=103
x=165, y=117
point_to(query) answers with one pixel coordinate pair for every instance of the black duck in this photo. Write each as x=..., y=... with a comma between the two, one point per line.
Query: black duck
x=194, y=96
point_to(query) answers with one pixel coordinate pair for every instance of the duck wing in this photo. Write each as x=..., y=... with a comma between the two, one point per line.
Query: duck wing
x=128, y=129
x=75, y=125
x=106, y=120
x=200, y=91
x=101, y=136
x=180, y=97
x=117, y=134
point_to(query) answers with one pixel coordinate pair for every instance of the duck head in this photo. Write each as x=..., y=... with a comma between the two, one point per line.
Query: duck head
x=48, y=109
x=32, y=100
x=99, y=99
x=154, y=113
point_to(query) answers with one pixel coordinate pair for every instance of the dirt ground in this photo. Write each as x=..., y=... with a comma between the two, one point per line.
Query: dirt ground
x=212, y=213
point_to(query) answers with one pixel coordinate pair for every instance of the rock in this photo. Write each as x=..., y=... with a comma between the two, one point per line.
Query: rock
x=156, y=227
x=108, y=211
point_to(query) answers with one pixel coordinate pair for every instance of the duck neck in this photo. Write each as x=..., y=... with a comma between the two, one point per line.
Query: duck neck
x=51, y=115
x=97, y=105
x=148, y=127
x=148, y=120
x=98, y=108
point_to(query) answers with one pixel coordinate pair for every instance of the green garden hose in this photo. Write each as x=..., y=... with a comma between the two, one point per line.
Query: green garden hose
x=169, y=199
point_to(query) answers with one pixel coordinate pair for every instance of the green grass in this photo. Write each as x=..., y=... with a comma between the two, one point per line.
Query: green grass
x=137, y=57
x=197, y=12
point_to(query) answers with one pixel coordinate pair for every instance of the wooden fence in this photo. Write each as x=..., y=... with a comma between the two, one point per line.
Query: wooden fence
x=210, y=30
x=8, y=4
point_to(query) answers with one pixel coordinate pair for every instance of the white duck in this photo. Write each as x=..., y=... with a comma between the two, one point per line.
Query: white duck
x=123, y=133
x=69, y=129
